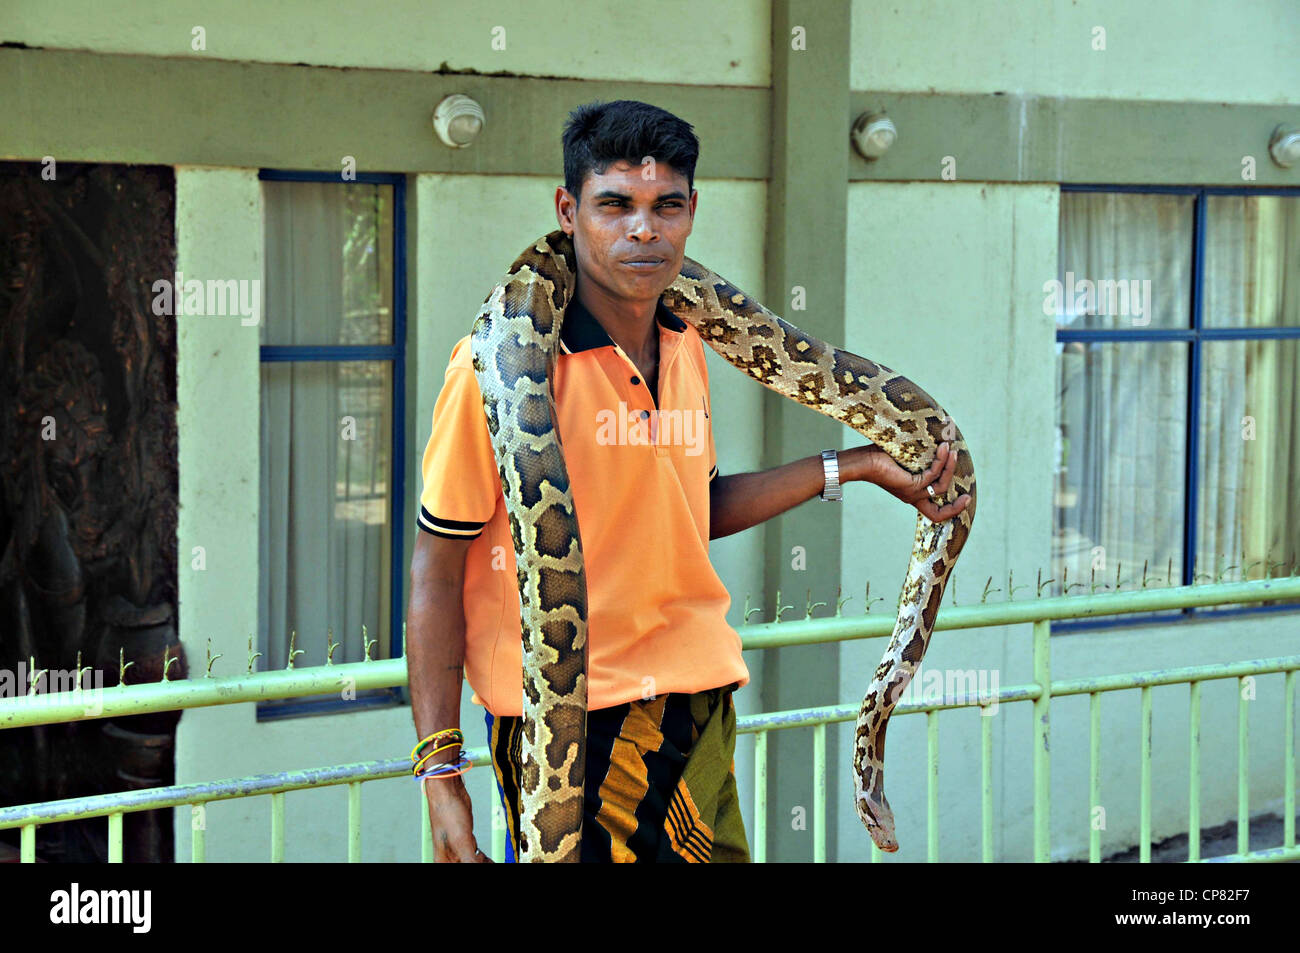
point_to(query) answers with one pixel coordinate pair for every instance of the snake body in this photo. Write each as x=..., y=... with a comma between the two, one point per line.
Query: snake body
x=515, y=342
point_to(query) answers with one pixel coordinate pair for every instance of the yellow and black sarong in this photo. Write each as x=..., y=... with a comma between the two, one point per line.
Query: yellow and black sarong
x=660, y=783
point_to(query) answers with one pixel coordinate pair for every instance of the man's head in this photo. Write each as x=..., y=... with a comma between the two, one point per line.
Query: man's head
x=628, y=194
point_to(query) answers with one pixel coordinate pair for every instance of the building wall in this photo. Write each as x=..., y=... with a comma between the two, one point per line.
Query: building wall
x=943, y=282
x=1173, y=50
x=949, y=277
x=723, y=42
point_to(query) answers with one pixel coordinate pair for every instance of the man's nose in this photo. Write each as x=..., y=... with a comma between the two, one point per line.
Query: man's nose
x=642, y=228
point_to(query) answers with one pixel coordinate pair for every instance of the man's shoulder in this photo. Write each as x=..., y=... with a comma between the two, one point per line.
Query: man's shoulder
x=461, y=355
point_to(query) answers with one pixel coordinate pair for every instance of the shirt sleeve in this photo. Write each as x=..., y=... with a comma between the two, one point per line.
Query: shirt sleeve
x=713, y=456
x=461, y=483
x=713, y=451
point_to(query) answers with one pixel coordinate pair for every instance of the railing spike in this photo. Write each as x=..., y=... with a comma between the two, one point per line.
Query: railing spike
x=121, y=668
x=167, y=662
x=293, y=639
x=780, y=608
x=331, y=645
x=987, y=590
x=252, y=656
x=211, y=658
x=809, y=605
x=33, y=674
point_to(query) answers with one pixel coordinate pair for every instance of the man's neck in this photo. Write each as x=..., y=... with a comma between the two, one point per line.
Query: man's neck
x=630, y=324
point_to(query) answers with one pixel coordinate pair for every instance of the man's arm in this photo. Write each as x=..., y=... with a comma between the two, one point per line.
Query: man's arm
x=742, y=500
x=435, y=634
x=435, y=656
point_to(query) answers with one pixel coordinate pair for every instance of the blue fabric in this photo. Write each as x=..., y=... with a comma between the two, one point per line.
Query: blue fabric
x=510, y=849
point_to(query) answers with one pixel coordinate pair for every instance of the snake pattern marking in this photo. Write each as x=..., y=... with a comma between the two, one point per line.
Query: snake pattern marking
x=514, y=342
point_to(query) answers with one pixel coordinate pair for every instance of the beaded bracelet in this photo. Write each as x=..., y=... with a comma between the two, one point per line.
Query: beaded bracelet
x=419, y=764
x=454, y=732
x=451, y=769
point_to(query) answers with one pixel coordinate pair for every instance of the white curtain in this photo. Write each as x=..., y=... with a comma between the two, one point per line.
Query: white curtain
x=1122, y=405
x=326, y=429
x=1250, y=479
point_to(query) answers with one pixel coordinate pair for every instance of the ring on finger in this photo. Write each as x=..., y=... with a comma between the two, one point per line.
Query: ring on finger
x=930, y=489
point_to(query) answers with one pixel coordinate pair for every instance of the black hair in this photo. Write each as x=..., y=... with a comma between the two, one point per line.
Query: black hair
x=599, y=134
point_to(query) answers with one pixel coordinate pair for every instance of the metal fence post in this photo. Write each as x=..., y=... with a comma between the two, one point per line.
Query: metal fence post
x=1042, y=743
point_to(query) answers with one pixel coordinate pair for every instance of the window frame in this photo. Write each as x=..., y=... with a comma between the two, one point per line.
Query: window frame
x=1196, y=335
x=395, y=353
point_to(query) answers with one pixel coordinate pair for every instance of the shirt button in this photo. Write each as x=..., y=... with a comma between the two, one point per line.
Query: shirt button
x=636, y=380
x=645, y=414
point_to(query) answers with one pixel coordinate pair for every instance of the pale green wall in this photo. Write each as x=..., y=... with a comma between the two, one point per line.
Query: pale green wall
x=1158, y=49
x=945, y=285
x=944, y=282
x=219, y=234
x=723, y=42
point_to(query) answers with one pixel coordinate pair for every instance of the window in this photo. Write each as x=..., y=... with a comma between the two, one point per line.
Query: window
x=1178, y=401
x=332, y=383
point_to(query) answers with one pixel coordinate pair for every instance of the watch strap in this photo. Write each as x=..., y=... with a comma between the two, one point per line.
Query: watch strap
x=831, y=492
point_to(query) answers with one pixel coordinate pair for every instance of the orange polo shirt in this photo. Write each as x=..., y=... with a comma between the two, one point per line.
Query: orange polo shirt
x=656, y=609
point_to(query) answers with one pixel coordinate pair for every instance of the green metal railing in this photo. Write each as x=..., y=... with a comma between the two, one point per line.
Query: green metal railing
x=333, y=679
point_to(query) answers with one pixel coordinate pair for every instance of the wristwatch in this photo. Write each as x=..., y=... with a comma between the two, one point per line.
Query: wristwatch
x=831, y=465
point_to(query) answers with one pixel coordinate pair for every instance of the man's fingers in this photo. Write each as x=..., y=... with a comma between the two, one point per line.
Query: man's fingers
x=936, y=465
x=936, y=514
x=466, y=849
x=955, y=507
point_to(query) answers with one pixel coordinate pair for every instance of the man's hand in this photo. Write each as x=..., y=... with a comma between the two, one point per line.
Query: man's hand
x=452, y=821
x=872, y=464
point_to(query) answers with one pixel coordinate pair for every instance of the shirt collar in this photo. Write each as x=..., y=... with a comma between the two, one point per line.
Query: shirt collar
x=581, y=331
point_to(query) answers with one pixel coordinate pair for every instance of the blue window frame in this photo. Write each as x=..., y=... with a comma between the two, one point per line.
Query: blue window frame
x=394, y=354
x=1197, y=334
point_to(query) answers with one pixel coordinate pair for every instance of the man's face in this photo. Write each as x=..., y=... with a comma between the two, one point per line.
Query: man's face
x=630, y=213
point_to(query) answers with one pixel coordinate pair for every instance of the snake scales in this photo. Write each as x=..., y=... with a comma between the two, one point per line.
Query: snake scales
x=514, y=342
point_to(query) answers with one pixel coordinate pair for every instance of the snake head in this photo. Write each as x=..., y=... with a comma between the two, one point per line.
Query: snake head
x=879, y=821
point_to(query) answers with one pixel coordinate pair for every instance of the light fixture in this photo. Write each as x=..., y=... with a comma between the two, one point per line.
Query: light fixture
x=1284, y=147
x=873, y=134
x=458, y=120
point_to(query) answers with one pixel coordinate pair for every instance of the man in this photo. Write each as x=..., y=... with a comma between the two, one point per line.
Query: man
x=633, y=411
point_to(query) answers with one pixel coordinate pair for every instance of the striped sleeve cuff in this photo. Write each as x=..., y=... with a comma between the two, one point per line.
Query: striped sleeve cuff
x=451, y=529
x=713, y=473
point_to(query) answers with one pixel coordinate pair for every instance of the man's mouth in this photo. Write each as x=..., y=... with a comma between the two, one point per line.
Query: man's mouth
x=644, y=263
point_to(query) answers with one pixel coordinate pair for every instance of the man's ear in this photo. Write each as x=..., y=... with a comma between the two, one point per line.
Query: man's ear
x=566, y=209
